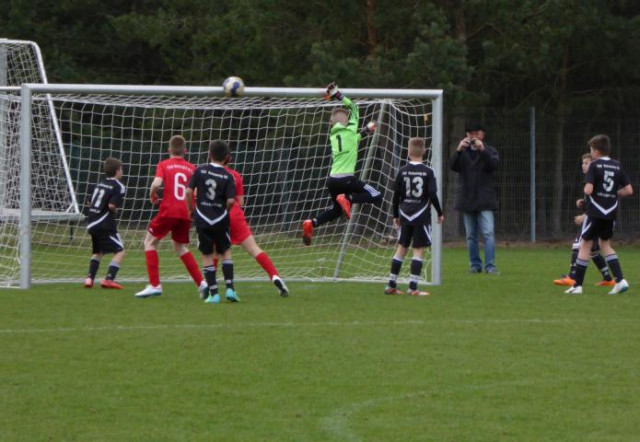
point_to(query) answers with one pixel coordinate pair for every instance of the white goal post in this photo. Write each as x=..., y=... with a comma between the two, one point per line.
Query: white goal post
x=280, y=141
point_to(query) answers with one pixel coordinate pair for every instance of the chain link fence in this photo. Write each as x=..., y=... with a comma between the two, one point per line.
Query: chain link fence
x=558, y=179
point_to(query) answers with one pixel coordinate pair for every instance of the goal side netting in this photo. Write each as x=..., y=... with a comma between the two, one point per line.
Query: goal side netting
x=53, y=196
x=280, y=144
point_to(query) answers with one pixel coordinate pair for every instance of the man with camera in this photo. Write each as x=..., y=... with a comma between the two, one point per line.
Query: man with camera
x=475, y=163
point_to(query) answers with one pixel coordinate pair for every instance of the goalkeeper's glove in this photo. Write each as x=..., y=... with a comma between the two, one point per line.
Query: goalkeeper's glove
x=333, y=93
x=369, y=128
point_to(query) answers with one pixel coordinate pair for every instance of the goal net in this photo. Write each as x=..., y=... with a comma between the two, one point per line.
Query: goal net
x=280, y=143
x=53, y=196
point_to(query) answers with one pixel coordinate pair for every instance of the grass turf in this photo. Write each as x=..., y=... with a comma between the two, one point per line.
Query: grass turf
x=506, y=357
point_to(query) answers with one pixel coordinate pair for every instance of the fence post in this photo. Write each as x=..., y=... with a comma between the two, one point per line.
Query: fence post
x=532, y=175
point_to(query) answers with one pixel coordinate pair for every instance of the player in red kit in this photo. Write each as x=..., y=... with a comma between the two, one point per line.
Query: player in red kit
x=173, y=174
x=241, y=233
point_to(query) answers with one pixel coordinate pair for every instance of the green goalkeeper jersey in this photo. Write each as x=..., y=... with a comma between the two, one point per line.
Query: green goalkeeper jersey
x=344, y=142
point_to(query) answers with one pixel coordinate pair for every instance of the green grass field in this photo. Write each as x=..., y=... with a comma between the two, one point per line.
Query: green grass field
x=485, y=358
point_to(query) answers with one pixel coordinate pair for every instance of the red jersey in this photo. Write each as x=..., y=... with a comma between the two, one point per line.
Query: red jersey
x=239, y=186
x=175, y=174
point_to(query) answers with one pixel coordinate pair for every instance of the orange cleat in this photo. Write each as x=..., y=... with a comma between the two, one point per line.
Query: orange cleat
x=307, y=232
x=605, y=283
x=88, y=283
x=565, y=280
x=345, y=204
x=110, y=284
x=392, y=291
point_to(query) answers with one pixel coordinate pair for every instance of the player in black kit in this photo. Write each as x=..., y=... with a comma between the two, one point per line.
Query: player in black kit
x=605, y=183
x=102, y=225
x=415, y=191
x=215, y=192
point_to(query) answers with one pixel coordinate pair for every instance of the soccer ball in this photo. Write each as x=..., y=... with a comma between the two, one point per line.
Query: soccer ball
x=233, y=87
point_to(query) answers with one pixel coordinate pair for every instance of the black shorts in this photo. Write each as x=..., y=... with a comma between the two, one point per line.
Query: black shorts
x=216, y=238
x=595, y=247
x=106, y=242
x=594, y=228
x=419, y=235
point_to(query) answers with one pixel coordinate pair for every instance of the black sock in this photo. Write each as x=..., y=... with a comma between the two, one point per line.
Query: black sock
x=396, y=265
x=414, y=277
x=614, y=265
x=601, y=264
x=210, y=277
x=572, y=268
x=112, y=271
x=227, y=271
x=94, y=264
x=581, y=269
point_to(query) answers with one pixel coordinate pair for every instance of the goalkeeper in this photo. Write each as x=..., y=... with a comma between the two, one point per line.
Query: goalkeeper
x=343, y=186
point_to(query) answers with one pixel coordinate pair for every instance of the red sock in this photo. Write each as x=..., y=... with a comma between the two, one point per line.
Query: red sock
x=265, y=262
x=152, y=267
x=192, y=267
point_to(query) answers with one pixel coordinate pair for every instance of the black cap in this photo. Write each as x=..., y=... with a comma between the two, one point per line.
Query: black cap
x=474, y=127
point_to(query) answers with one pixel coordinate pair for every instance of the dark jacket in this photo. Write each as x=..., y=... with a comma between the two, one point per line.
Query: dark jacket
x=475, y=169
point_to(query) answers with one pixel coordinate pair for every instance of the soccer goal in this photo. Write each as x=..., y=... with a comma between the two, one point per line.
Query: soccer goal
x=280, y=143
x=53, y=199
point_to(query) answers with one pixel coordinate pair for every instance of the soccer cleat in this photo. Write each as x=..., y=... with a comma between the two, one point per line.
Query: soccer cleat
x=574, y=290
x=620, y=287
x=388, y=290
x=203, y=290
x=213, y=299
x=492, y=271
x=281, y=286
x=231, y=295
x=110, y=284
x=88, y=283
x=149, y=290
x=345, y=204
x=417, y=293
x=564, y=280
x=307, y=232
x=606, y=283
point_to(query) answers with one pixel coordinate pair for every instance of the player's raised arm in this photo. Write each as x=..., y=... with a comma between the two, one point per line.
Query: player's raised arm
x=333, y=93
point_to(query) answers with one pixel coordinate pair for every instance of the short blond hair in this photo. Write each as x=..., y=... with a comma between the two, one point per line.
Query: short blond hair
x=417, y=146
x=177, y=145
x=338, y=111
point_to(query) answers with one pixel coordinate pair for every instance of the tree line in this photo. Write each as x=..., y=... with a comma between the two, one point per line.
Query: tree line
x=562, y=56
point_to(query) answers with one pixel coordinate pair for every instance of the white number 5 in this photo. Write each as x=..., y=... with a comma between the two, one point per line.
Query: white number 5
x=608, y=180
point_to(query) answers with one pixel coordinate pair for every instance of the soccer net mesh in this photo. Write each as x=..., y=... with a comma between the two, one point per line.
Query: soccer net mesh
x=280, y=146
x=53, y=196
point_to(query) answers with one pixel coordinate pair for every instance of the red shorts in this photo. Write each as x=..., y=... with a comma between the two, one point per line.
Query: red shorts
x=239, y=227
x=178, y=227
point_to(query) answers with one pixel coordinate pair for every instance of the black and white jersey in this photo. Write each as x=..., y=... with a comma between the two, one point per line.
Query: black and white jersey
x=214, y=187
x=607, y=178
x=414, y=191
x=99, y=217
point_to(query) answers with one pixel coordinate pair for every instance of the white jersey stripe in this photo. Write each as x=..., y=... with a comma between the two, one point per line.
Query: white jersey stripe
x=98, y=221
x=209, y=221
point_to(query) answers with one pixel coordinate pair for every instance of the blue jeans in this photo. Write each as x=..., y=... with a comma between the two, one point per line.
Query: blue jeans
x=480, y=221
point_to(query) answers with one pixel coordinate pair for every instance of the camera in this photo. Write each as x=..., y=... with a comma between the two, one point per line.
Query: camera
x=472, y=142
